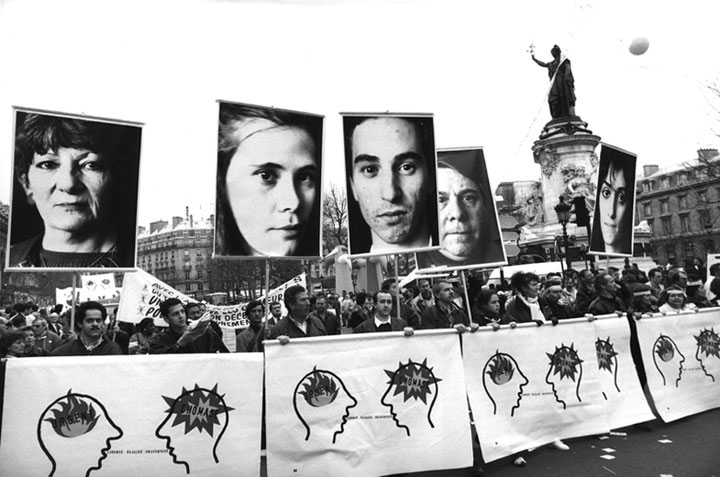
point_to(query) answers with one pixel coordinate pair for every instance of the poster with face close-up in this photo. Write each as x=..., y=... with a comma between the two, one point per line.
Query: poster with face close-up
x=268, y=182
x=614, y=214
x=391, y=188
x=469, y=226
x=74, y=202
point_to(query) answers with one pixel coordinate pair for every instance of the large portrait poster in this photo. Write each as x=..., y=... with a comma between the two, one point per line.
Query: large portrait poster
x=366, y=404
x=269, y=183
x=681, y=354
x=75, y=189
x=469, y=225
x=165, y=415
x=390, y=183
x=614, y=214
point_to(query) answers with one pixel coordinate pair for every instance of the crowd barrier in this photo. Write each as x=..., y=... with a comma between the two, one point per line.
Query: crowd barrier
x=365, y=404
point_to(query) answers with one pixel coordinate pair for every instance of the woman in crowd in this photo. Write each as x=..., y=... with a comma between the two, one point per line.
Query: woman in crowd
x=268, y=182
x=12, y=344
x=525, y=307
x=77, y=200
x=140, y=341
x=674, y=300
x=614, y=207
x=487, y=308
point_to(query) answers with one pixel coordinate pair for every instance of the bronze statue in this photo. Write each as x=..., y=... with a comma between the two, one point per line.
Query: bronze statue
x=562, y=92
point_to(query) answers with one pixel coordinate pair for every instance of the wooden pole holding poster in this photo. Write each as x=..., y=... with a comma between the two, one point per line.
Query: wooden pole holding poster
x=267, y=294
x=467, y=296
x=397, y=284
x=73, y=302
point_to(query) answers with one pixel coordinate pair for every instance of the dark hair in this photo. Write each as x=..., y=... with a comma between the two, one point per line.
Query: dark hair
x=654, y=271
x=715, y=286
x=522, y=279
x=228, y=237
x=119, y=143
x=145, y=323
x=483, y=298
x=251, y=305
x=8, y=339
x=83, y=308
x=192, y=304
x=600, y=281
x=360, y=236
x=167, y=304
x=361, y=298
x=615, y=162
x=387, y=284
x=291, y=295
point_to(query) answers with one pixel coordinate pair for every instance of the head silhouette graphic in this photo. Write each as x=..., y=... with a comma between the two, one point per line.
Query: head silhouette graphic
x=708, y=352
x=565, y=374
x=607, y=364
x=322, y=403
x=195, y=423
x=504, y=382
x=75, y=432
x=412, y=392
x=668, y=359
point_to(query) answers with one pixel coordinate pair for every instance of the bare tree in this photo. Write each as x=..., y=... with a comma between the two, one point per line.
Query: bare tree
x=334, y=218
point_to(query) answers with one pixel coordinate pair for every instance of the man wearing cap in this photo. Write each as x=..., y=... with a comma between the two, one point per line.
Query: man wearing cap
x=469, y=233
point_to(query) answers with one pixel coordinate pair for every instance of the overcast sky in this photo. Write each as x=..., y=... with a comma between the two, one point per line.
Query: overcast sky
x=165, y=63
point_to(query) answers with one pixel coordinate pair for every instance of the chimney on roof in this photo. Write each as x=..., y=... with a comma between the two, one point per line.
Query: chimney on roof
x=707, y=154
x=191, y=220
x=141, y=229
x=187, y=213
x=157, y=225
x=650, y=169
x=177, y=221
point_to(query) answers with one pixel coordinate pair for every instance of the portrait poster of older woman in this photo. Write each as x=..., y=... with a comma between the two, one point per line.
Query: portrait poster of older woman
x=74, y=203
x=268, y=182
x=614, y=215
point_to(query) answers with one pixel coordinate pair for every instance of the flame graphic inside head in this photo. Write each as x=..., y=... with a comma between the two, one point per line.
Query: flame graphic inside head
x=664, y=349
x=501, y=369
x=73, y=416
x=319, y=389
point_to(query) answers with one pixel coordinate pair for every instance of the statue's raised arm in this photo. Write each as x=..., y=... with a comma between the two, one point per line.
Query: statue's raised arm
x=562, y=91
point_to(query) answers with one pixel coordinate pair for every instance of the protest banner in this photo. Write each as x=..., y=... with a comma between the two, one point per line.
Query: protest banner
x=112, y=416
x=366, y=404
x=626, y=402
x=98, y=287
x=681, y=354
x=531, y=385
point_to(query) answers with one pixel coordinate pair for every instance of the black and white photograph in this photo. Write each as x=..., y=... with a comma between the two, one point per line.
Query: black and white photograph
x=268, y=182
x=74, y=201
x=469, y=226
x=391, y=183
x=614, y=215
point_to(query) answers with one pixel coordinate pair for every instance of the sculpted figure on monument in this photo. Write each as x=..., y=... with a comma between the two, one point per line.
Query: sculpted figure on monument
x=562, y=92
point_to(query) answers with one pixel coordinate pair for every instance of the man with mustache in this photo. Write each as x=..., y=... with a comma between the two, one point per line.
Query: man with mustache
x=90, y=324
x=389, y=162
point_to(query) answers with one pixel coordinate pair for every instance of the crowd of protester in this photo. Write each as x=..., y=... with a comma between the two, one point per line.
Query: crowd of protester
x=27, y=330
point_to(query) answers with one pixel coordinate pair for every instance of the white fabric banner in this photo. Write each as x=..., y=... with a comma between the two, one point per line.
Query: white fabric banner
x=366, y=404
x=681, y=354
x=98, y=287
x=626, y=402
x=531, y=385
x=141, y=296
x=112, y=416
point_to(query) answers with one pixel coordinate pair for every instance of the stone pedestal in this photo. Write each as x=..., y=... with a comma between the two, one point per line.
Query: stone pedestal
x=567, y=158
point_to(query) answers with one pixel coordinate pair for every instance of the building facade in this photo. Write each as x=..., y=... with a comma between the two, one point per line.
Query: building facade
x=681, y=205
x=178, y=253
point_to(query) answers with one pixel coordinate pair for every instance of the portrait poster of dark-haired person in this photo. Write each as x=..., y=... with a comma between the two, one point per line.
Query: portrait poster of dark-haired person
x=269, y=165
x=75, y=192
x=390, y=170
x=469, y=226
x=614, y=214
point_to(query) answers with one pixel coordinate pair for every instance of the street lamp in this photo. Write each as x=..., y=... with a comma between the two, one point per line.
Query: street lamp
x=563, y=214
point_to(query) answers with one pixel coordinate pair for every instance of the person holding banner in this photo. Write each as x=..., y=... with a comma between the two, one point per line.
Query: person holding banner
x=268, y=182
x=383, y=321
x=79, y=180
x=180, y=337
x=445, y=313
x=298, y=323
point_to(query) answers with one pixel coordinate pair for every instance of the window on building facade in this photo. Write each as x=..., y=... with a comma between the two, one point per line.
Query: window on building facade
x=689, y=251
x=199, y=286
x=651, y=224
x=648, y=186
x=199, y=274
x=187, y=275
x=664, y=207
x=705, y=218
x=684, y=224
x=682, y=202
x=682, y=179
x=701, y=173
x=647, y=210
x=664, y=183
x=187, y=253
x=667, y=226
x=702, y=197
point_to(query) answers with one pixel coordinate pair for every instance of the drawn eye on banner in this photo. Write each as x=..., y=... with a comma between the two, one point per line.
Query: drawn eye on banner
x=319, y=397
x=73, y=174
x=200, y=409
x=565, y=374
x=390, y=183
x=607, y=362
x=708, y=352
x=415, y=382
x=75, y=433
x=668, y=359
x=268, y=182
x=504, y=382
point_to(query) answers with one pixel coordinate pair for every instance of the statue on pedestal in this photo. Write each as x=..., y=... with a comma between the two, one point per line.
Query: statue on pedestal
x=562, y=91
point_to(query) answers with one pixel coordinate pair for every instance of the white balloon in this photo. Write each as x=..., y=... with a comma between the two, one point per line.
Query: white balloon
x=639, y=45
